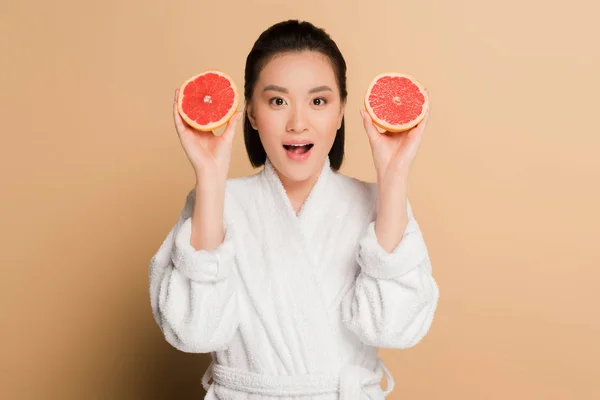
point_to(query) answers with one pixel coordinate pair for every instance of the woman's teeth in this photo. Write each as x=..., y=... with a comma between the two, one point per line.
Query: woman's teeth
x=298, y=148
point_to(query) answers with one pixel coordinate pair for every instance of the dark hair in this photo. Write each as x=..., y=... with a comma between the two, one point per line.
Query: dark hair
x=283, y=37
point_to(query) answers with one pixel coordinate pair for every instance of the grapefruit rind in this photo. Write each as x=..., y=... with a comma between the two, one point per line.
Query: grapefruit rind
x=400, y=127
x=213, y=125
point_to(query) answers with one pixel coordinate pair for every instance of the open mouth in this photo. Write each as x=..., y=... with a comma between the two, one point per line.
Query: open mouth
x=298, y=148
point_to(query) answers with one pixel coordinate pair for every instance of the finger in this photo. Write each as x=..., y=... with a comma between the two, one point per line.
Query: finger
x=416, y=134
x=229, y=131
x=370, y=128
x=180, y=124
x=427, y=114
x=424, y=121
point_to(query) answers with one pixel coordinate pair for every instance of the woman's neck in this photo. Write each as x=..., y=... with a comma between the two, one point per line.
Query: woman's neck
x=298, y=191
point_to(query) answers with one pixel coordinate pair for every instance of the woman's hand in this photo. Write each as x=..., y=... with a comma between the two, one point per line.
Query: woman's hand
x=209, y=154
x=393, y=152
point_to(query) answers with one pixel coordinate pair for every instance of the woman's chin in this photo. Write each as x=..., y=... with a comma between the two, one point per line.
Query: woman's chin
x=293, y=171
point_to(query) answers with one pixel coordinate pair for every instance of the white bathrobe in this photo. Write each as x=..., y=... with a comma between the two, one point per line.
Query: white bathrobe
x=294, y=306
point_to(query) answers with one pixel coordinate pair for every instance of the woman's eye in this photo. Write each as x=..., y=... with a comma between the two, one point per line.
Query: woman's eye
x=278, y=101
x=319, y=102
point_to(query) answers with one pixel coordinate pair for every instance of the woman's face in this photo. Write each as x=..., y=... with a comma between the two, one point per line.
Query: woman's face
x=296, y=100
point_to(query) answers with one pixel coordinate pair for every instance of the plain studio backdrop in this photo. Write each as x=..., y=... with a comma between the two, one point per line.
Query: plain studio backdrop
x=505, y=187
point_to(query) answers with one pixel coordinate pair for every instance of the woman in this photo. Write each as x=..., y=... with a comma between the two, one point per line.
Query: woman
x=294, y=276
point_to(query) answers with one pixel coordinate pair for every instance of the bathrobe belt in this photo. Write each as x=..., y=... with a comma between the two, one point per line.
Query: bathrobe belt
x=349, y=382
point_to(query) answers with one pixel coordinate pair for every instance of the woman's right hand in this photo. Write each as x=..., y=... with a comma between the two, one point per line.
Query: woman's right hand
x=209, y=154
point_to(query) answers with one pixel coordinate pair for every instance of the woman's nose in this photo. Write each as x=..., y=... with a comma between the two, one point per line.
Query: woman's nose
x=297, y=121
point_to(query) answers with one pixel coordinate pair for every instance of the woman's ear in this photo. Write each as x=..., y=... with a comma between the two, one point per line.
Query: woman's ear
x=251, y=117
x=341, y=117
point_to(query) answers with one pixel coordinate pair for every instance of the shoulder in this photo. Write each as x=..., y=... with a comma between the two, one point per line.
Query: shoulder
x=361, y=193
x=241, y=189
x=364, y=192
x=357, y=187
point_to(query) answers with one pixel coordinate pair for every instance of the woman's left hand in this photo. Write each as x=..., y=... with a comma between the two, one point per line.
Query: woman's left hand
x=393, y=152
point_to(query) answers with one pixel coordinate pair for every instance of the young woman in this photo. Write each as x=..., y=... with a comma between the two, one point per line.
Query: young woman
x=294, y=276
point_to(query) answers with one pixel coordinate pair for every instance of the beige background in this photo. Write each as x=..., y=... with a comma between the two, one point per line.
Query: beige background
x=505, y=186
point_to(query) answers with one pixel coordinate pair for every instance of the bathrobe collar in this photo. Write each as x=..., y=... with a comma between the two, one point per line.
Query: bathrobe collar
x=315, y=199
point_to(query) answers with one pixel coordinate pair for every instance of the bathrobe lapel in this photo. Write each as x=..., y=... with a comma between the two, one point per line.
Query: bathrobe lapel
x=296, y=271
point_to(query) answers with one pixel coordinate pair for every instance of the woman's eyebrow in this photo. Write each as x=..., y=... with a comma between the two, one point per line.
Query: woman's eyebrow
x=280, y=89
x=275, y=88
x=323, y=88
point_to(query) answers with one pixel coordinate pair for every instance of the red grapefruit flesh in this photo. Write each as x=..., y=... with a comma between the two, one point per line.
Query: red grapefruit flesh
x=208, y=100
x=396, y=102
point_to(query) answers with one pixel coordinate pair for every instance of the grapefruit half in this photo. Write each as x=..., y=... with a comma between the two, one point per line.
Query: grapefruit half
x=208, y=100
x=396, y=102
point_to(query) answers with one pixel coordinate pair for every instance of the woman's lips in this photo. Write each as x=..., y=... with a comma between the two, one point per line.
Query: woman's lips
x=298, y=151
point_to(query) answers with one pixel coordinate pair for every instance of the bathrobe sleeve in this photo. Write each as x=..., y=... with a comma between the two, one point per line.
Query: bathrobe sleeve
x=395, y=296
x=193, y=293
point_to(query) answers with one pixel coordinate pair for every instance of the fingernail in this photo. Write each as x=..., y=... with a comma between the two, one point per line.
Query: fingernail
x=175, y=99
x=362, y=114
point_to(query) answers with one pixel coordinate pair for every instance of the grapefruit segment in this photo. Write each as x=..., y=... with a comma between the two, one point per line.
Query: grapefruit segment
x=208, y=100
x=396, y=102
